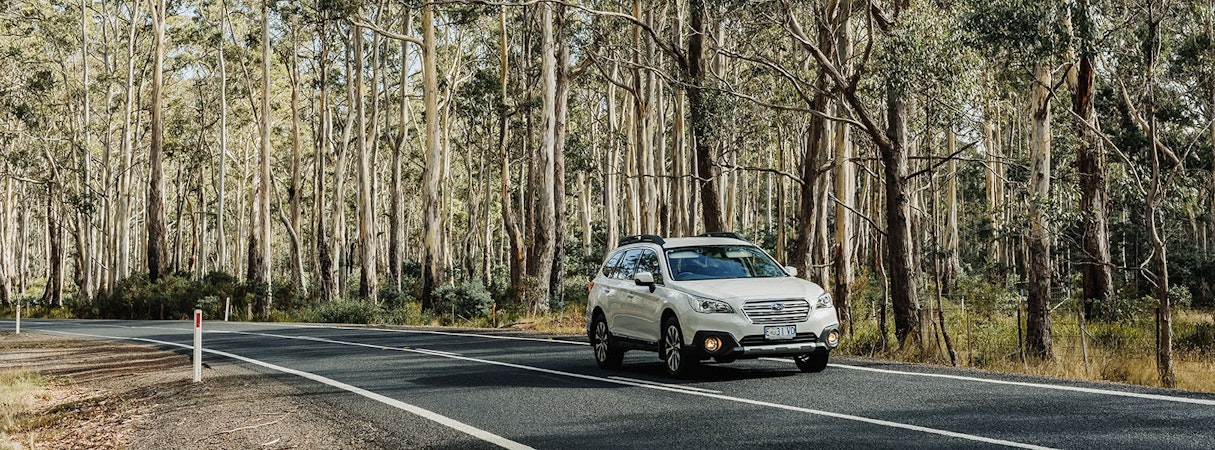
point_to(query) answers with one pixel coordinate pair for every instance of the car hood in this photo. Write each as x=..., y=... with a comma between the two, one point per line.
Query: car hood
x=752, y=288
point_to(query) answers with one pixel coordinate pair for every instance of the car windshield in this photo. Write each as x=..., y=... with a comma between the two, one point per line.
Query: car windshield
x=715, y=262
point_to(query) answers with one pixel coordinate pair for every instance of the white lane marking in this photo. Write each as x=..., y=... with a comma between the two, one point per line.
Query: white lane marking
x=680, y=390
x=425, y=413
x=675, y=386
x=1167, y=398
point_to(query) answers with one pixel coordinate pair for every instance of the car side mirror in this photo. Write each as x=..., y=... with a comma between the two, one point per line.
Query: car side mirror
x=644, y=279
x=792, y=271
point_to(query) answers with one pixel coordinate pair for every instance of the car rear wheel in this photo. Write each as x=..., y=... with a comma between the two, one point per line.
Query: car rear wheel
x=607, y=356
x=678, y=358
x=811, y=362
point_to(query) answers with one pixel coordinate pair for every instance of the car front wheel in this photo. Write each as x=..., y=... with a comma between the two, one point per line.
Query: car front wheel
x=607, y=356
x=679, y=360
x=811, y=362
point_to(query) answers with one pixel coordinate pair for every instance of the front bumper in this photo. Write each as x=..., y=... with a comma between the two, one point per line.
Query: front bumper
x=741, y=338
x=755, y=346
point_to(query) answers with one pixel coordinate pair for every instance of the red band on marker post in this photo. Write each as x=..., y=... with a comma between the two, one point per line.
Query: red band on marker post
x=197, y=319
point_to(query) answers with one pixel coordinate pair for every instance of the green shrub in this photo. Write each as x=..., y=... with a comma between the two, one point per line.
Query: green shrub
x=1120, y=336
x=347, y=311
x=467, y=299
x=1198, y=339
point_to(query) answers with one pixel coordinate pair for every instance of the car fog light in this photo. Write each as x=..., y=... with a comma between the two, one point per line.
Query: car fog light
x=712, y=344
x=833, y=338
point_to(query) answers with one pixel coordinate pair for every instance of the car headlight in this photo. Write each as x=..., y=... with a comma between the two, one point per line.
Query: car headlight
x=824, y=301
x=707, y=306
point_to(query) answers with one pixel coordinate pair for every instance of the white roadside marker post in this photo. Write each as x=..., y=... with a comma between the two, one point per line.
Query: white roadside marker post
x=18, y=317
x=197, y=345
x=227, y=307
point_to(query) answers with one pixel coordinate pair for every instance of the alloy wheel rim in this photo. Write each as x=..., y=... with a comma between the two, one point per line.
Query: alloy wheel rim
x=601, y=345
x=674, y=360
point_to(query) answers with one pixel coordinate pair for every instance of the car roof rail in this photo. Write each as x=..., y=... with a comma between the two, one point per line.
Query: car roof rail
x=642, y=238
x=724, y=234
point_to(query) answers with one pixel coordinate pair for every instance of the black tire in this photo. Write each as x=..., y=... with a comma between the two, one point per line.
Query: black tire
x=812, y=362
x=607, y=355
x=677, y=358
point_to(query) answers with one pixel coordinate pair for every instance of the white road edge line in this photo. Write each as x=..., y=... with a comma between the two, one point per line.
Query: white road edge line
x=425, y=413
x=1167, y=398
x=660, y=387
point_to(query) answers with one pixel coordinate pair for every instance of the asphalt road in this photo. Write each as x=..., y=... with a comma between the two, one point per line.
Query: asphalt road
x=474, y=390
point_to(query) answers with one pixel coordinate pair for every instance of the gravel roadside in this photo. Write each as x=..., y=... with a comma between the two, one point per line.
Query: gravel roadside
x=111, y=395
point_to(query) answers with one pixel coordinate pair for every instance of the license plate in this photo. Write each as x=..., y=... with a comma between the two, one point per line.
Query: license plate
x=777, y=333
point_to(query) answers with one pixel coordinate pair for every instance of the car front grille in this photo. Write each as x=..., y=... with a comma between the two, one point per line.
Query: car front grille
x=802, y=338
x=777, y=311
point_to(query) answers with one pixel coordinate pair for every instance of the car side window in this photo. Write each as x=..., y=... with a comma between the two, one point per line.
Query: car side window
x=649, y=263
x=628, y=265
x=609, y=267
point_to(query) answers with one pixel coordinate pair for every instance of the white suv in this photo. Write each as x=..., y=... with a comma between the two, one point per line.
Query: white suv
x=712, y=296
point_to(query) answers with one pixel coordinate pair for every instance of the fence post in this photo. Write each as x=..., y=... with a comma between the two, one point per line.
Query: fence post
x=197, y=345
x=970, y=355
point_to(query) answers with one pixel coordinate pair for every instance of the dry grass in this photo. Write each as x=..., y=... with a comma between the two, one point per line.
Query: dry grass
x=19, y=391
x=1116, y=352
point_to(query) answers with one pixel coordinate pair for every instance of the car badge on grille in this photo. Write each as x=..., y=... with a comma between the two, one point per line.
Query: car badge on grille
x=778, y=306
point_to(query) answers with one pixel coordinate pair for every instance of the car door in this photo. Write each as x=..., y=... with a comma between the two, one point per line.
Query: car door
x=604, y=287
x=619, y=315
x=645, y=305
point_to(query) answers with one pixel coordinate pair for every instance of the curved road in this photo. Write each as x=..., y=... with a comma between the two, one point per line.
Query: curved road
x=479, y=390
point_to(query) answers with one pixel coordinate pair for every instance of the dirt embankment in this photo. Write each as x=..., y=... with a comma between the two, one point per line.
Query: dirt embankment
x=59, y=393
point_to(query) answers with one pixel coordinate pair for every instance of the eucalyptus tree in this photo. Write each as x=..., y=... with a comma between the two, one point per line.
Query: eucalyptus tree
x=156, y=228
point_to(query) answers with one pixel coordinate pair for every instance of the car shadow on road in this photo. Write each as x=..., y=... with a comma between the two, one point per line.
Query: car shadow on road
x=707, y=372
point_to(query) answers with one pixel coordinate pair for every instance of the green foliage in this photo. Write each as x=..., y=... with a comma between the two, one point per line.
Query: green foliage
x=1121, y=336
x=1192, y=270
x=345, y=311
x=467, y=299
x=1021, y=31
x=1197, y=338
x=172, y=297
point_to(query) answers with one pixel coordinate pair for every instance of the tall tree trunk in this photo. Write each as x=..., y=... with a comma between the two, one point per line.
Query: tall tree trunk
x=221, y=237
x=952, y=238
x=702, y=119
x=1037, y=327
x=1158, y=190
x=324, y=256
x=156, y=180
x=296, y=192
x=264, y=298
x=991, y=144
x=6, y=242
x=53, y=292
x=84, y=227
x=368, y=282
x=1097, y=275
x=546, y=219
x=611, y=169
x=517, y=258
x=396, y=212
x=560, y=126
x=845, y=197
x=432, y=221
x=903, y=296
